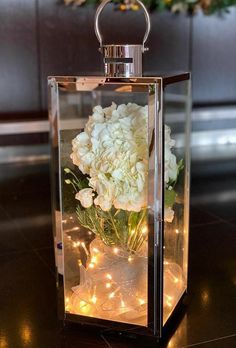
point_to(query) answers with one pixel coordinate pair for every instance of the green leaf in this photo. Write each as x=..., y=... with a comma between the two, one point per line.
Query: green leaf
x=170, y=196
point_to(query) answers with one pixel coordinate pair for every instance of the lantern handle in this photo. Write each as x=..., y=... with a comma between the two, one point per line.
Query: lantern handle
x=100, y=9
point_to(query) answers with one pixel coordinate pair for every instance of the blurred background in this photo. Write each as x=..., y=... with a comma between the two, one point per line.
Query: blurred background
x=44, y=37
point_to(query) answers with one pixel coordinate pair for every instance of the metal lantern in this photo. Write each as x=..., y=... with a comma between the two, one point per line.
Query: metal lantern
x=120, y=170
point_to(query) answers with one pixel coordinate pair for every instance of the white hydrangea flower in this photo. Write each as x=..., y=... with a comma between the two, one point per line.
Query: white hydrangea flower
x=168, y=214
x=113, y=152
x=171, y=167
x=85, y=196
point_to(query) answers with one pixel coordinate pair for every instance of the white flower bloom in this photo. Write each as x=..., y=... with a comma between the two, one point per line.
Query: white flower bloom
x=113, y=151
x=85, y=196
x=171, y=167
x=168, y=214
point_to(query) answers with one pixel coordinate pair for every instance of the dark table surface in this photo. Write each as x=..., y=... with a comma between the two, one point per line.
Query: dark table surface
x=28, y=313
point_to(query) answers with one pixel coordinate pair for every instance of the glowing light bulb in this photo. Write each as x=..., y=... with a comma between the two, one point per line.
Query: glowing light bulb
x=94, y=299
x=67, y=299
x=71, y=217
x=84, y=307
x=141, y=301
x=122, y=304
x=177, y=231
x=169, y=297
x=144, y=230
x=94, y=259
x=79, y=262
x=130, y=259
x=111, y=295
x=115, y=250
x=109, y=276
x=176, y=280
x=108, y=285
x=169, y=304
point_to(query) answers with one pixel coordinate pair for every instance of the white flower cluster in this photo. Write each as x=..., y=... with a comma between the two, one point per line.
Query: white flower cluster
x=171, y=167
x=113, y=152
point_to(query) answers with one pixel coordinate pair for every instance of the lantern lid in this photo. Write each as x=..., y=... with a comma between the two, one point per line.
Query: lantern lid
x=123, y=60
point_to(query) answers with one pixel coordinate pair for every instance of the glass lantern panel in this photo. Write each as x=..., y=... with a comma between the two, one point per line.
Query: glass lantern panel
x=103, y=137
x=176, y=193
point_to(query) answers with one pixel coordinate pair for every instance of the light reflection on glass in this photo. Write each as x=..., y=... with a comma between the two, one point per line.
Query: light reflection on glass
x=26, y=333
x=3, y=342
x=205, y=297
x=180, y=334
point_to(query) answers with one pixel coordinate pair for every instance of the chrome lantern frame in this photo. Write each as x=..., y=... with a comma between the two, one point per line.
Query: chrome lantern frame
x=123, y=74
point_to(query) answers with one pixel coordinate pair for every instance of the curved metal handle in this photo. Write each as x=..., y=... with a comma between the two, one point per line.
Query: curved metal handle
x=100, y=9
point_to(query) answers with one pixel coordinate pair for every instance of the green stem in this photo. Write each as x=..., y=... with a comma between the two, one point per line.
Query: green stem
x=133, y=240
x=114, y=225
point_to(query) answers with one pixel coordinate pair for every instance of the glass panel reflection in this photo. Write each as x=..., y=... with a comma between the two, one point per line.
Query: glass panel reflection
x=104, y=168
x=175, y=195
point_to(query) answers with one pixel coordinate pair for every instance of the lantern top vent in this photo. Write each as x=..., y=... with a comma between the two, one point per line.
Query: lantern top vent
x=123, y=60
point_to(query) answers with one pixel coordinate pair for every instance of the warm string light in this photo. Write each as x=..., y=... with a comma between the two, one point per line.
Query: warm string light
x=144, y=230
x=76, y=228
x=122, y=304
x=115, y=251
x=67, y=301
x=84, y=307
x=93, y=262
x=108, y=276
x=112, y=294
x=94, y=299
x=94, y=259
x=177, y=231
